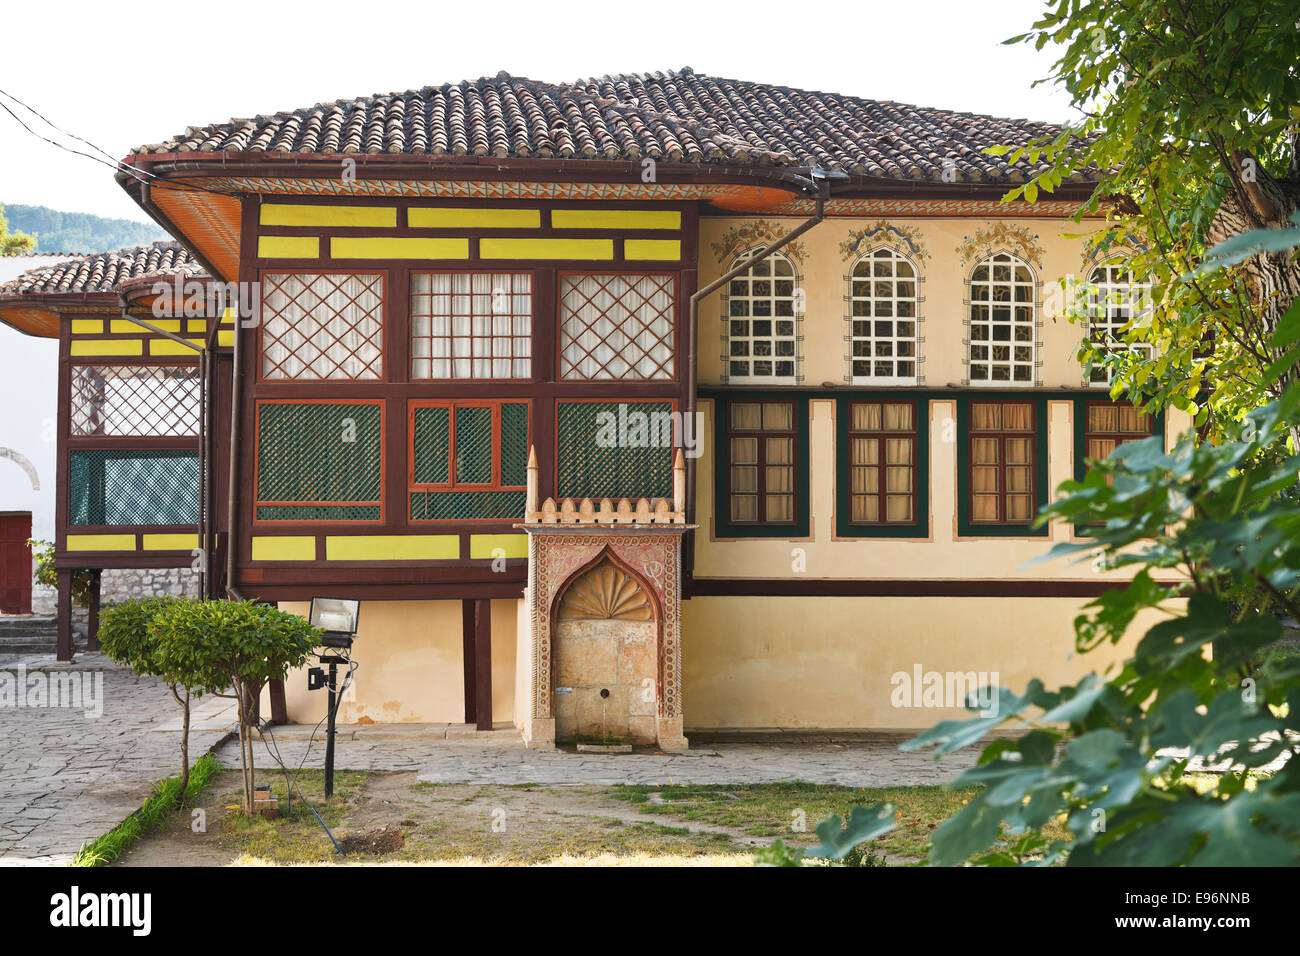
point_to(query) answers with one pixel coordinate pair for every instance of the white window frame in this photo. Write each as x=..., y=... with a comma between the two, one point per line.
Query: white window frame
x=1107, y=299
x=891, y=301
x=989, y=324
x=771, y=300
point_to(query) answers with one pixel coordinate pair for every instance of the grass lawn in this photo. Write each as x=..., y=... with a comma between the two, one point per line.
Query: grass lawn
x=391, y=818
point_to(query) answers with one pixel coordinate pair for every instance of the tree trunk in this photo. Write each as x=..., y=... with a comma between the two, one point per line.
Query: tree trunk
x=185, y=743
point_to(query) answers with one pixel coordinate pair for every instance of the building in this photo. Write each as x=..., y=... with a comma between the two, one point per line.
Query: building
x=641, y=404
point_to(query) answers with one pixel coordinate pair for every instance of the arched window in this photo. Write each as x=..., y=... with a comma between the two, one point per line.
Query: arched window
x=1002, y=318
x=761, y=322
x=883, y=300
x=1114, y=300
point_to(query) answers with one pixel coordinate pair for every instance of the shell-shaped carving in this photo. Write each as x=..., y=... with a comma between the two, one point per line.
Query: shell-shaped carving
x=605, y=594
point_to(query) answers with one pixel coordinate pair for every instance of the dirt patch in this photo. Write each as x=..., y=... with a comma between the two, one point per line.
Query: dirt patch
x=375, y=842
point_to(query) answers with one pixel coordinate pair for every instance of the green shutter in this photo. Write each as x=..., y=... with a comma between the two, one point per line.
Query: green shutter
x=430, y=444
x=318, y=452
x=620, y=470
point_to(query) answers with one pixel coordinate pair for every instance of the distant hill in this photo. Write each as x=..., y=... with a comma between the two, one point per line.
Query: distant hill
x=78, y=231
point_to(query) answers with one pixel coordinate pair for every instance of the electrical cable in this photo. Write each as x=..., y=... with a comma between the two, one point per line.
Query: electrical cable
x=291, y=780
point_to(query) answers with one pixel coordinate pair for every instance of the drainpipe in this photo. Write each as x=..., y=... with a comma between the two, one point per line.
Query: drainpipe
x=693, y=329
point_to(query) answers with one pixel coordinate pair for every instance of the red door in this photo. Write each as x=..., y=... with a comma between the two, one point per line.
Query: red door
x=15, y=563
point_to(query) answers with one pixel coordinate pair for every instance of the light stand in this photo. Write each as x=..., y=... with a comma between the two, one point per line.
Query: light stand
x=339, y=618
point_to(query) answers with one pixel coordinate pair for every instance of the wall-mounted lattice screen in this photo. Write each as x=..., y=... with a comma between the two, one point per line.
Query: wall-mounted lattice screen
x=135, y=400
x=617, y=327
x=469, y=460
x=319, y=461
x=132, y=487
x=323, y=326
x=607, y=454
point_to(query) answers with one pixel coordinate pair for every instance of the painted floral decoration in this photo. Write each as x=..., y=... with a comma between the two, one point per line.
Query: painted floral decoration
x=884, y=233
x=1001, y=237
x=756, y=232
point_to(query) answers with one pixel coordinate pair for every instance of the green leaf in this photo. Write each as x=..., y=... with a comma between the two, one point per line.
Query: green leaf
x=865, y=823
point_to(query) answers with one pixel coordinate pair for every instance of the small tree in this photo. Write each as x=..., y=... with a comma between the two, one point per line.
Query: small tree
x=14, y=243
x=124, y=636
x=47, y=574
x=232, y=648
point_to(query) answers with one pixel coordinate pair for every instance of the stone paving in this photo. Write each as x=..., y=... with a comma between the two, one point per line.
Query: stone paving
x=67, y=775
x=854, y=760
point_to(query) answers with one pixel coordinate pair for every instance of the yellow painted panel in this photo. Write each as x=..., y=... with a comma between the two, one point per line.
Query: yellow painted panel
x=168, y=347
x=196, y=325
x=616, y=219
x=84, y=326
x=171, y=542
x=288, y=247
x=285, y=214
x=546, y=248
x=398, y=247
x=129, y=327
x=661, y=250
x=225, y=336
x=513, y=545
x=228, y=316
x=392, y=547
x=444, y=217
x=101, y=542
x=107, y=347
x=284, y=548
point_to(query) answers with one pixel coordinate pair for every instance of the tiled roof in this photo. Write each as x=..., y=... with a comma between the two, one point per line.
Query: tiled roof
x=679, y=116
x=104, y=271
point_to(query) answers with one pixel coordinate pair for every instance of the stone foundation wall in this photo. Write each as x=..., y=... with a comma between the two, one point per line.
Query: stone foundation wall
x=123, y=584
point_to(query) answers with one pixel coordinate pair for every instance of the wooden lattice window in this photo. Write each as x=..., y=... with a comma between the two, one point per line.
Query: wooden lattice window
x=319, y=326
x=1002, y=321
x=617, y=327
x=467, y=325
x=132, y=486
x=761, y=327
x=883, y=300
x=1114, y=300
x=467, y=460
x=882, y=463
x=761, y=485
x=319, y=460
x=614, y=450
x=1003, y=438
x=134, y=400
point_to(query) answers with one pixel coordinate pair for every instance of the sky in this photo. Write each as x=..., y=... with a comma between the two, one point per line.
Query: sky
x=121, y=81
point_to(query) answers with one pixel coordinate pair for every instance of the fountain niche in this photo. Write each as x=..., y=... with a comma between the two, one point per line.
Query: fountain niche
x=606, y=659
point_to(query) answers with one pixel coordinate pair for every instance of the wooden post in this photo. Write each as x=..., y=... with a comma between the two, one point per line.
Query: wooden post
x=483, y=662
x=279, y=708
x=467, y=628
x=63, y=645
x=92, y=625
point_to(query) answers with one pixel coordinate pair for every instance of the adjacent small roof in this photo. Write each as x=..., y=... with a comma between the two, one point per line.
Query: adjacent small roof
x=103, y=271
x=678, y=116
x=27, y=303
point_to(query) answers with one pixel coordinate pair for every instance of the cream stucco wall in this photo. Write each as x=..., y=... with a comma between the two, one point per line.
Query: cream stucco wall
x=828, y=662
x=410, y=665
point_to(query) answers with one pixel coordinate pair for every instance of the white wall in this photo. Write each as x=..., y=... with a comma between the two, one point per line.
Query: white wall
x=28, y=405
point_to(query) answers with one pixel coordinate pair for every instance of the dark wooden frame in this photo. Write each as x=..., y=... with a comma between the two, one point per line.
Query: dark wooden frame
x=724, y=527
x=966, y=528
x=919, y=525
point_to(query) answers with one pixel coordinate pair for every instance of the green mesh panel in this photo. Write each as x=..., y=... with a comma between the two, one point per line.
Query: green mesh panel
x=326, y=452
x=464, y=505
x=431, y=441
x=588, y=470
x=514, y=444
x=473, y=445
x=318, y=513
x=125, y=487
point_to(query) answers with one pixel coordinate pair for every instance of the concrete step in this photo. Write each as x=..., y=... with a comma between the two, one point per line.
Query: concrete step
x=27, y=625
